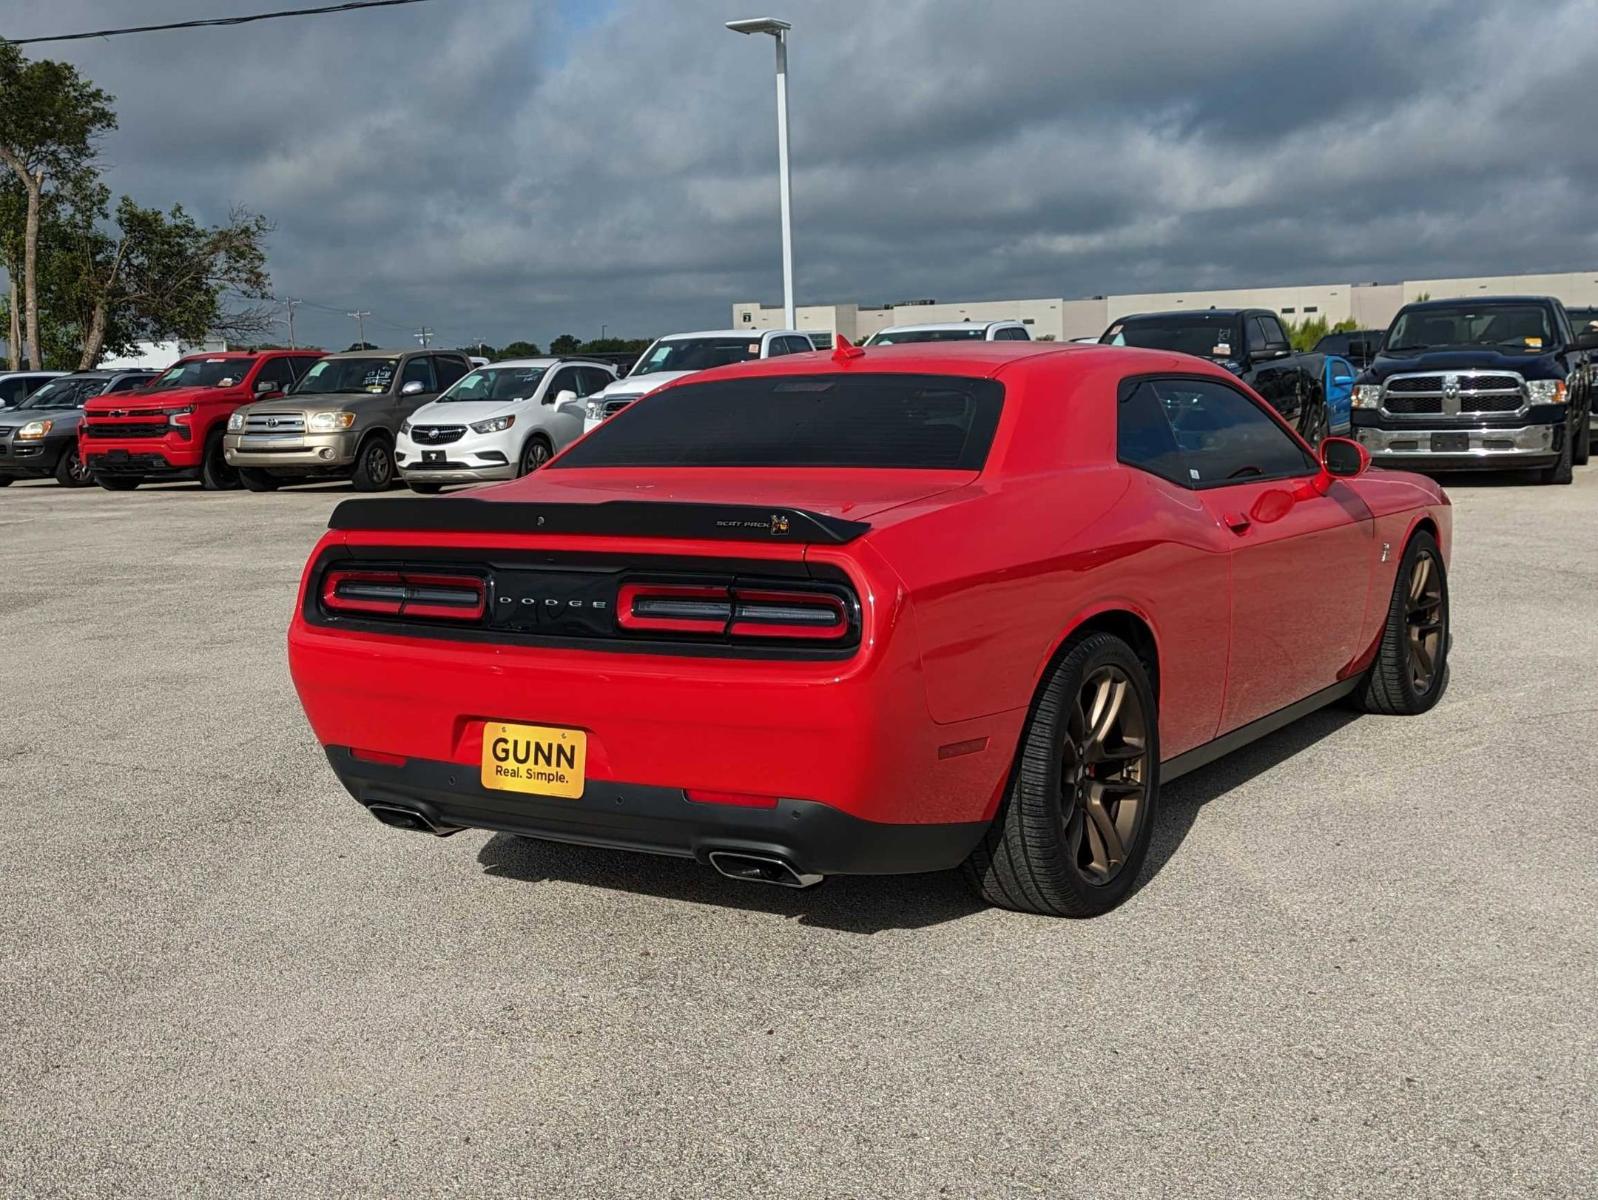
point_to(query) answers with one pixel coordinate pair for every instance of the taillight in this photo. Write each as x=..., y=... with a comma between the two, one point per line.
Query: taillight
x=404, y=594
x=735, y=611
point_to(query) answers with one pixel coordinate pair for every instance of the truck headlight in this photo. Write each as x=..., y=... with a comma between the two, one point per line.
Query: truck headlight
x=330, y=422
x=1546, y=391
x=235, y=422
x=1367, y=395
x=405, y=429
x=34, y=430
x=172, y=414
x=493, y=425
x=594, y=410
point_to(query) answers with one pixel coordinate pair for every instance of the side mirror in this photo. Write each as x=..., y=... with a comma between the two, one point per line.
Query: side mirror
x=564, y=396
x=1586, y=339
x=1344, y=458
x=262, y=386
x=413, y=388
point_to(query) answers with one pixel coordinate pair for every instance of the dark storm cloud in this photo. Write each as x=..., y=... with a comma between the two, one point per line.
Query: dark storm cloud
x=510, y=169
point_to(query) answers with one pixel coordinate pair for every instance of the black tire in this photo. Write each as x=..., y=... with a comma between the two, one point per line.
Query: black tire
x=1581, y=440
x=7, y=480
x=1563, y=468
x=535, y=453
x=119, y=483
x=1390, y=686
x=1317, y=421
x=69, y=469
x=215, y=474
x=259, y=481
x=1032, y=857
x=425, y=489
x=374, y=465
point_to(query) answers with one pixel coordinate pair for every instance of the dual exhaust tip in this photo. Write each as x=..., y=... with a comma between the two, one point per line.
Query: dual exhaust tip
x=734, y=864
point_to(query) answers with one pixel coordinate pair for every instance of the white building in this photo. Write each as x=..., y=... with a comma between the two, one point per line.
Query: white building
x=1369, y=305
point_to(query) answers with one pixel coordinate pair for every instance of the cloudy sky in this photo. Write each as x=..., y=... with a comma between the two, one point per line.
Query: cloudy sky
x=521, y=168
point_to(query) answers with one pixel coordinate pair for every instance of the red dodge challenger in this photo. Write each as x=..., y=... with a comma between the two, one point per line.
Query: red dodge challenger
x=886, y=610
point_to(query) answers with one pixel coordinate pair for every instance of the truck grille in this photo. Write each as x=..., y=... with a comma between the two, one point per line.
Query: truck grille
x=615, y=406
x=1453, y=393
x=126, y=429
x=267, y=422
x=437, y=435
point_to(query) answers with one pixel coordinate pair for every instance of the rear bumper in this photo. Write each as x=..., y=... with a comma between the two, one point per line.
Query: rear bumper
x=662, y=820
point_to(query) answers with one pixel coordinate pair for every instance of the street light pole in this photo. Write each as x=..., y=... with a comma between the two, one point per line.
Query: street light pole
x=779, y=31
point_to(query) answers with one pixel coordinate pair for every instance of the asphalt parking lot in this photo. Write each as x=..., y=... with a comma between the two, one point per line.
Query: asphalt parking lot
x=1363, y=964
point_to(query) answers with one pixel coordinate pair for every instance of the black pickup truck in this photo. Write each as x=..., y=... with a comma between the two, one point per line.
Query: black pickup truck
x=1496, y=382
x=1249, y=342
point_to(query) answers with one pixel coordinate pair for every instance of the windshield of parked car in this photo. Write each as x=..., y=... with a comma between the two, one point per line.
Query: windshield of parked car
x=929, y=422
x=899, y=337
x=348, y=376
x=66, y=392
x=203, y=372
x=696, y=354
x=1512, y=328
x=1204, y=334
x=496, y=383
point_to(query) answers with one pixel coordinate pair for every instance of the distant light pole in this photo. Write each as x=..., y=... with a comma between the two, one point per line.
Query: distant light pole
x=602, y=328
x=779, y=30
x=360, y=325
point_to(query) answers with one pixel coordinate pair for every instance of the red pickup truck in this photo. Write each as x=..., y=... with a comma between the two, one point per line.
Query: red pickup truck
x=173, y=428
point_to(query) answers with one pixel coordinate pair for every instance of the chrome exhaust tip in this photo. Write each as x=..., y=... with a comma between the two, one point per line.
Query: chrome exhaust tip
x=761, y=868
x=399, y=817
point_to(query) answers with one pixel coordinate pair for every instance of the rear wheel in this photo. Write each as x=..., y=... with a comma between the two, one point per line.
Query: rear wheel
x=6, y=480
x=535, y=454
x=1317, y=422
x=374, y=466
x=1563, y=469
x=1075, y=827
x=1581, y=440
x=69, y=469
x=119, y=483
x=215, y=474
x=1411, y=668
x=259, y=481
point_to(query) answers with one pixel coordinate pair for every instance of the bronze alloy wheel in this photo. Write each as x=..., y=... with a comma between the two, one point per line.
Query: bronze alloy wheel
x=1424, y=620
x=1104, y=774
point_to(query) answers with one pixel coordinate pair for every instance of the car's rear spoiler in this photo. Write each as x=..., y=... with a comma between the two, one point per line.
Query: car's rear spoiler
x=614, y=518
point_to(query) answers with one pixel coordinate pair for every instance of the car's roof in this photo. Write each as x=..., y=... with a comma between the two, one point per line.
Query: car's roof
x=548, y=360
x=978, y=359
x=934, y=326
x=381, y=353
x=1456, y=301
x=737, y=333
x=1188, y=312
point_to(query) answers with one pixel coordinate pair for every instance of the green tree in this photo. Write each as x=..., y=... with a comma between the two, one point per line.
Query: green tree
x=1305, y=334
x=566, y=343
x=50, y=119
x=520, y=350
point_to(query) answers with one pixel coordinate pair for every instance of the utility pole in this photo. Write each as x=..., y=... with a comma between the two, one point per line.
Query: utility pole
x=425, y=336
x=289, y=302
x=360, y=325
x=481, y=344
x=602, y=328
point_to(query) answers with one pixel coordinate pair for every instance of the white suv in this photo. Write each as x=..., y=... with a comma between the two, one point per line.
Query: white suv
x=498, y=422
x=951, y=331
x=679, y=354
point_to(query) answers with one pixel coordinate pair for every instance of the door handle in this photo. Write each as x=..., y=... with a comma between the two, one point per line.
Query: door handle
x=1237, y=522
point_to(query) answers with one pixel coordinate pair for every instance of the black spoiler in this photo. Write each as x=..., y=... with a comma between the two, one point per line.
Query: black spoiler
x=614, y=518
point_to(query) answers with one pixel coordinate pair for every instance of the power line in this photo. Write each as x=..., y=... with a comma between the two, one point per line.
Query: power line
x=347, y=6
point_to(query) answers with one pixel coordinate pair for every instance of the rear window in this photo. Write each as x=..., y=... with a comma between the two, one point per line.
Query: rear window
x=926, y=422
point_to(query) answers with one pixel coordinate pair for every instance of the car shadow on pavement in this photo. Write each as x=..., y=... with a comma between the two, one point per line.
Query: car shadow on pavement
x=1181, y=800
x=848, y=903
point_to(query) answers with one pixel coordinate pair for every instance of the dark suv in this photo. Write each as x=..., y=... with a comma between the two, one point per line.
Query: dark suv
x=39, y=434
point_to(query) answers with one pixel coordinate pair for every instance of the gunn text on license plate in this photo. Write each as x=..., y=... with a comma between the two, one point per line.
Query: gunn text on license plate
x=539, y=759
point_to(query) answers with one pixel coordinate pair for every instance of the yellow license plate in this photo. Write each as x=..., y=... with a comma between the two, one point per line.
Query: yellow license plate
x=539, y=759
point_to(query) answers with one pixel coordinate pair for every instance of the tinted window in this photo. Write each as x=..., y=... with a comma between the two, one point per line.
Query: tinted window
x=1268, y=332
x=697, y=354
x=865, y=420
x=594, y=379
x=128, y=383
x=797, y=345
x=278, y=373
x=12, y=390
x=1207, y=335
x=900, y=337
x=1143, y=436
x=419, y=370
x=1225, y=437
x=1011, y=335
x=205, y=372
x=566, y=380
x=300, y=365
x=450, y=369
x=495, y=383
x=66, y=392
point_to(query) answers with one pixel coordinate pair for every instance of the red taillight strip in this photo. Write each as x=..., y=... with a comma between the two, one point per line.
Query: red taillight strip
x=461, y=598
x=812, y=615
x=646, y=606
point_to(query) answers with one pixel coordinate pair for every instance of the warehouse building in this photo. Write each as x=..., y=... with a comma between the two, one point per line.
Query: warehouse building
x=1369, y=305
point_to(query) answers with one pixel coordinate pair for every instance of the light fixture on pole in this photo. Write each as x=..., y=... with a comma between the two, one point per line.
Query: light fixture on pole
x=779, y=31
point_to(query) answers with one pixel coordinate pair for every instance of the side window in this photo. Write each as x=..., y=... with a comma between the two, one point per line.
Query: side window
x=301, y=365
x=128, y=383
x=449, y=369
x=567, y=379
x=593, y=380
x=13, y=389
x=1268, y=332
x=277, y=372
x=419, y=370
x=1224, y=437
x=1143, y=435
